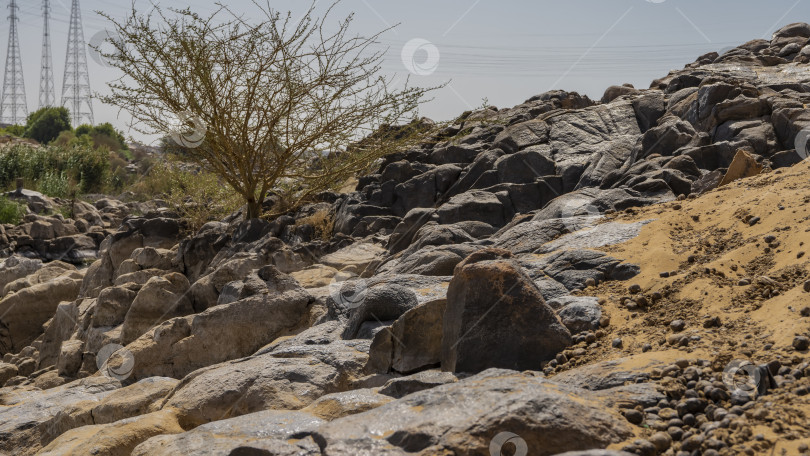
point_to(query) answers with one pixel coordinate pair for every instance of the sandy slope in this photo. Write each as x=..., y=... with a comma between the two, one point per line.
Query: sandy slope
x=708, y=245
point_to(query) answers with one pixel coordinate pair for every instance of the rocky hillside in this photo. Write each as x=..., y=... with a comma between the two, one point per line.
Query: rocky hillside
x=613, y=277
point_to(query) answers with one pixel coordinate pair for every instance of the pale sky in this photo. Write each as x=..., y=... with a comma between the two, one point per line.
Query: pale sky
x=505, y=51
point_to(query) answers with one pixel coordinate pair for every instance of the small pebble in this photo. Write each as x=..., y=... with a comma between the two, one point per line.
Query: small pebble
x=617, y=342
x=754, y=221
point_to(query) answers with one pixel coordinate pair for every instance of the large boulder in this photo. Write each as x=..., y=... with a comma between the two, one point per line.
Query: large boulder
x=355, y=258
x=376, y=305
x=465, y=417
x=425, y=189
x=14, y=268
x=30, y=421
x=496, y=317
x=267, y=432
x=118, y=439
x=182, y=345
x=160, y=299
x=573, y=268
x=23, y=313
x=285, y=377
x=46, y=273
x=474, y=205
x=413, y=342
x=522, y=135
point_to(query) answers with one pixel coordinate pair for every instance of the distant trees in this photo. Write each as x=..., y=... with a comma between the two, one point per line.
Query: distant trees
x=274, y=103
x=45, y=124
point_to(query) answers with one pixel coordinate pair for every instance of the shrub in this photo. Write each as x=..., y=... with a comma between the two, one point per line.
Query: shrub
x=103, y=135
x=319, y=93
x=198, y=196
x=86, y=166
x=322, y=221
x=10, y=211
x=14, y=130
x=55, y=184
x=45, y=124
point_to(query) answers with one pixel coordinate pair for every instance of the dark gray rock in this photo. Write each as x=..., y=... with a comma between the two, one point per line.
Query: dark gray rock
x=525, y=166
x=649, y=107
x=425, y=189
x=464, y=417
x=522, y=135
x=403, y=386
x=380, y=303
x=573, y=268
x=475, y=205
x=496, y=317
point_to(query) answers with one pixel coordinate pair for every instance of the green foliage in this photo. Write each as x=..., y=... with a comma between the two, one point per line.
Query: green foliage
x=198, y=196
x=10, y=212
x=102, y=135
x=14, y=130
x=55, y=184
x=45, y=124
x=89, y=168
x=83, y=129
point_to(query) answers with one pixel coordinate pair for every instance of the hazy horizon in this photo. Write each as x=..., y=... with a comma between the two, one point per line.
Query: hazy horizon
x=505, y=52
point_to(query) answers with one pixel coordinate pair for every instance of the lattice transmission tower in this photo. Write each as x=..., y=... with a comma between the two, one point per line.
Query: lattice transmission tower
x=13, y=104
x=47, y=93
x=76, y=94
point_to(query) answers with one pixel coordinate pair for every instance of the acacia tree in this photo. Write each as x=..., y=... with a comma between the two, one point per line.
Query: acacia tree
x=276, y=103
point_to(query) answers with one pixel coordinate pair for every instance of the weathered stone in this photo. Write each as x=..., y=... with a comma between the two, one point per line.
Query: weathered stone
x=412, y=343
x=496, y=317
x=25, y=311
x=463, y=417
x=160, y=299
x=269, y=432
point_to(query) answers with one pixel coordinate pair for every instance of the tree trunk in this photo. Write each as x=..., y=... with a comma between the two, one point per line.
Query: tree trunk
x=254, y=209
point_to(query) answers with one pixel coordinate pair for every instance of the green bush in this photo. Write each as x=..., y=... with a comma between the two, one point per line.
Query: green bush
x=45, y=124
x=198, y=196
x=10, y=211
x=103, y=135
x=14, y=130
x=82, y=164
x=55, y=184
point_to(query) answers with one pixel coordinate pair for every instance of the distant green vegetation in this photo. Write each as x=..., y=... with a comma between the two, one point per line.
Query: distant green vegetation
x=52, y=126
x=55, y=170
x=13, y=130
x=10, y=211
x=45, y=124
x=70, y=161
